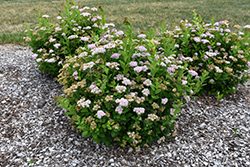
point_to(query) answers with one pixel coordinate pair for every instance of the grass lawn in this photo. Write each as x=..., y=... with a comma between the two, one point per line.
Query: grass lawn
x=15, y=14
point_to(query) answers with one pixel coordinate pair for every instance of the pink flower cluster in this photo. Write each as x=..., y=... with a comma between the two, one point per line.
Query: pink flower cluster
x=100, y=114
x=122, y=102
x=139, y=110
x=115, y=55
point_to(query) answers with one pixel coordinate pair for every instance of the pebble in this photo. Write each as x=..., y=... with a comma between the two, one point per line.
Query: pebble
x=130, y=150
x=41, y=104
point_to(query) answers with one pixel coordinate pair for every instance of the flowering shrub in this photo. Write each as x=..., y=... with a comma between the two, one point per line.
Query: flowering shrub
x=52, y=42
x=216, y=49
x=125, y=91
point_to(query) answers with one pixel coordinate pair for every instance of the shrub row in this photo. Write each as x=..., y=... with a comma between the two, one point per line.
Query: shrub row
x=130, y=90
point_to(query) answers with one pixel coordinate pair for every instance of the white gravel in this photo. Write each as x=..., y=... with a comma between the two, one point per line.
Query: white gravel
x=31, y=127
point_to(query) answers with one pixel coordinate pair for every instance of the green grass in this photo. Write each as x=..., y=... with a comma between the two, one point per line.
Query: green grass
x=15, y=14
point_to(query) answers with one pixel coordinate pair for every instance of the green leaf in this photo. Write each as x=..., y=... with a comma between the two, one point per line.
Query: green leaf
x=155, y=97
x=107, y=142
x=219, y=96
x=85, y=133
x=104, y=126
x=157, y=91
x=94, y=135
x=106, y=70
x=122, y=64
x=66, y=102
x=123, y=118
x=81, y=128
x=102, y=135
x=138, y=78
x=113, y=134
x=129, y=115
x=152, y=87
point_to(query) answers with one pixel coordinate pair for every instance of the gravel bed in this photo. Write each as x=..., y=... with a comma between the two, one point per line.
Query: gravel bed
x=32, y=129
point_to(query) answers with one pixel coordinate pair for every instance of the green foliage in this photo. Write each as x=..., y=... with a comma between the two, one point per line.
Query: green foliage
x=214, y=48
x=52, y=42
x=118, y=89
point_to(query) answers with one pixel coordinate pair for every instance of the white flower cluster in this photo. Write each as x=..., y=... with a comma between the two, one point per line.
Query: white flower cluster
x=132, y=96
x=119, y=77
x=162, y=64
x=109, y=45
x=43, y=28
x=115, y=56
x=73, y=36
x=126, y=81
x=141, y=68
x=95, y=89
x=83, y=103
x=52, y=40
x=98, y=50
x=100, y=113
x=187, y=98
x=83, y=54
x=133, y=63
x=143, y=54
x=139, y=110
x=120, y=89
x=247, y=26
x=52, y=60
x=131, y=135
x=218, y=69
x=211, y=54
x=188, y=59
x=113, y=65
x=58, y=29
x=152, y=117
x=139, y=100
x=146, y=92
x=107, y=25
x=85, y=14
x=119, y=109
x=88, y=65
x=57, y=45
x=45, y=16
x=122, y=102
x=147, y=82
x=164, y=101
x=167, y=60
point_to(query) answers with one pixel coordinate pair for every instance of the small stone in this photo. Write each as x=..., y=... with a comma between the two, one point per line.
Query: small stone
x=169, y=154
x=202, y=125
x=111, y=160
x=32, y=145
x=41, y=104
x=77, y=143
x=205, y=163
x=4, y=101
x=218, y=163
x=130, y=150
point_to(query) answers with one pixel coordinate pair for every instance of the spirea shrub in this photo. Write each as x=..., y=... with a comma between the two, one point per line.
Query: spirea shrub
x=216, y=49
x=124, y=91
x=75, y=27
